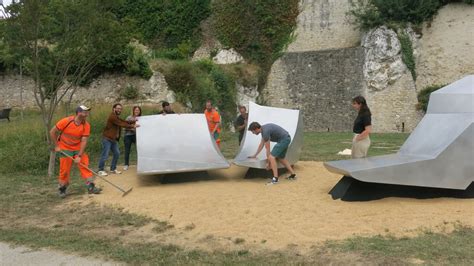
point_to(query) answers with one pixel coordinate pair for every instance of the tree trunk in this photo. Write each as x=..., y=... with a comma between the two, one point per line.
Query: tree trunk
x=52, y=155
x=52, y=160
x=21, y=89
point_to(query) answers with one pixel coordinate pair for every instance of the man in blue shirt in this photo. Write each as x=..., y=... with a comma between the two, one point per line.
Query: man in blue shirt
x=273, y=133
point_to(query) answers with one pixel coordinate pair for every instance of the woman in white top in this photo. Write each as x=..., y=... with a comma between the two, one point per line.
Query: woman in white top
x=130, y=135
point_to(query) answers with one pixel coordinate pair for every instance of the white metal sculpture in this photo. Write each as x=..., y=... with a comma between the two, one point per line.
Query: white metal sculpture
x=439, y=153
x=289, y=119
x=175, y=143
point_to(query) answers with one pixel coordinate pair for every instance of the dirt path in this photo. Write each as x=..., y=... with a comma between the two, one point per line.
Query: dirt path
x=25, y=256
x=230, y=211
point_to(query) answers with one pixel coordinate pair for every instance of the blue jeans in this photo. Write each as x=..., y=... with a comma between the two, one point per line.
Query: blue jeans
x=108, y=145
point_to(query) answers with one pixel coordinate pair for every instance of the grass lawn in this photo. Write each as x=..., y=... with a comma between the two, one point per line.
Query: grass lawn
x=31, y=214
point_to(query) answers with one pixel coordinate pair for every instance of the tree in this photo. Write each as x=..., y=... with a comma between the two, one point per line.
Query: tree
x=61, y=41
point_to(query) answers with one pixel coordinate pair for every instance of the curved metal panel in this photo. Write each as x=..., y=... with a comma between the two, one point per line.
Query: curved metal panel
x=439, y=153
x=290, y=120
x=176, y=143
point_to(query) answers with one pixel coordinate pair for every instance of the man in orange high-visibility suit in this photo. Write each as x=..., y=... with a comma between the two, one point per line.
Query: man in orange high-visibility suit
x=214, y=122
x=70, y=136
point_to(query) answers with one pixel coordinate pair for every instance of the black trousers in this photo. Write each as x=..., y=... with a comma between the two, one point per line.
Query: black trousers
x=128, y=140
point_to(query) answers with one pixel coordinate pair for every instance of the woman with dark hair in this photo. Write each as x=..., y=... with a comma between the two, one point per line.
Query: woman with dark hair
x=362, y=128
x=130, y=135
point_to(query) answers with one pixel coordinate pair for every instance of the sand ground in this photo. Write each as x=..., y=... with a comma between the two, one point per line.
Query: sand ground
x=226, y=211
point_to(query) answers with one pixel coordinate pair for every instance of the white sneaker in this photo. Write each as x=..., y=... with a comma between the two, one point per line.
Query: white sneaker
x=102, y=173
x=125, y=168
x=274, y=181
x=116, y=172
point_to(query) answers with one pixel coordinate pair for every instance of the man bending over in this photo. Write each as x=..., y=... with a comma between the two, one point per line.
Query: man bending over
x=273, y=133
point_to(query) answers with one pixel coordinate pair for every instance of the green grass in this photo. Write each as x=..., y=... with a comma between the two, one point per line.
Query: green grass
x=432, y=248
x=324, y=146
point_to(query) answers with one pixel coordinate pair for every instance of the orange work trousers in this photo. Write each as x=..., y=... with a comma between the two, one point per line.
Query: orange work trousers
x=217, y=139
x=65, y=164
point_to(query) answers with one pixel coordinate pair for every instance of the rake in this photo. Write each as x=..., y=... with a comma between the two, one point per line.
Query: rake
x=125, y=192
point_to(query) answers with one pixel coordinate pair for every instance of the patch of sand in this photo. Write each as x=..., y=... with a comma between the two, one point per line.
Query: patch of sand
x=227, y=210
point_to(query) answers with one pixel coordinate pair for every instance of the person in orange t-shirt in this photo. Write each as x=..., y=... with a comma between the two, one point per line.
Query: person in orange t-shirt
x=70, y=135
x=214, y=122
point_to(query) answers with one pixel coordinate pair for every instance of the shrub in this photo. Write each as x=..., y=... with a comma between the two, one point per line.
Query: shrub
x=369, y=14
x=259, y=30
x=136, y=64
x=166, y=23
x=372, y=13
x=130, y=92
x=244, y=74
x=183, y=51
x=197, y=82
x=407, y=52
x=424, y=96
x=130, y=60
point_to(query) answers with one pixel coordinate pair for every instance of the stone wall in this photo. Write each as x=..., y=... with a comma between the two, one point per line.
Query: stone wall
x=106, y=89
x=446, y=51
x=10, y=92
x=321, y=84
x=324, y=24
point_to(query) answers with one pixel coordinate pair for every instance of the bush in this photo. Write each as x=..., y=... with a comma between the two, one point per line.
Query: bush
x=407, y=52
x=166, y=23
x=136, y=64
x=197, y=82
x=130, y=92
x=131, y=61
x=372, y=13
x=183, y=51
x=424, y=96
x=259, y=30
x=369, y=14
x=244, y=74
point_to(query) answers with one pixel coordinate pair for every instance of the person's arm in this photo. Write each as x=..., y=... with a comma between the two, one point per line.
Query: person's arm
x=131, y=119
x=260, y=147
x=242, y=127
x=77, y=159
x=217, y=122
x=267, y=148
x=53, y=133
x=122, y=123
x=364, y=133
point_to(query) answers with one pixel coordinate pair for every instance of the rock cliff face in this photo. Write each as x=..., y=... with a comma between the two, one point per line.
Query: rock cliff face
x=390, y=89
x=444, y=52
x=322, y=25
